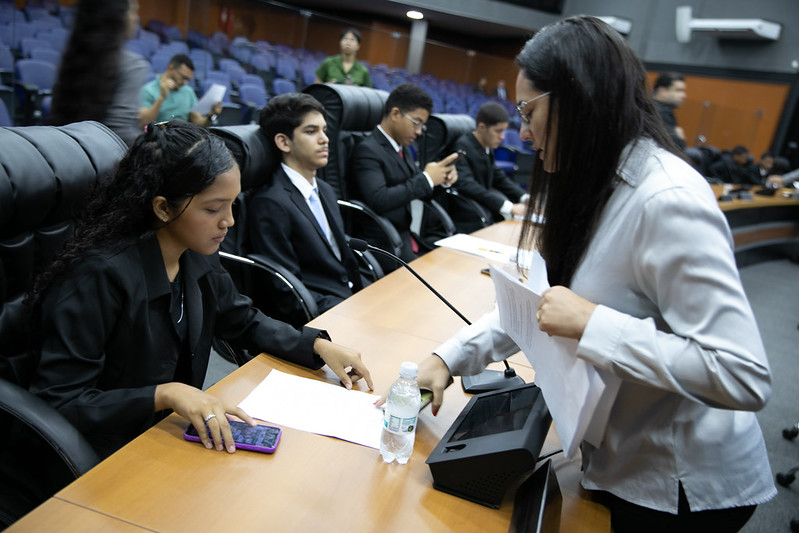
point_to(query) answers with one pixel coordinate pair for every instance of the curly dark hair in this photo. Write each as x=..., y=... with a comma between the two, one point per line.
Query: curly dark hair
x=89, y=71
x=176, y=160
x=593, y=116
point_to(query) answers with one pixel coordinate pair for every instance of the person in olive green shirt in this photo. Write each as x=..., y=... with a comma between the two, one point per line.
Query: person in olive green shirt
x=344, y=68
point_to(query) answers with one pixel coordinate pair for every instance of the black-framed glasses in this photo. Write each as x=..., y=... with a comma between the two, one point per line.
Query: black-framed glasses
x=522, y=105
x=417, y=124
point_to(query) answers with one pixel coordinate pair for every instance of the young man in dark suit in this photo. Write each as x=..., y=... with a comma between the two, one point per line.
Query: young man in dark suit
x=294, y=219
x=479, y=178
x=386, y=177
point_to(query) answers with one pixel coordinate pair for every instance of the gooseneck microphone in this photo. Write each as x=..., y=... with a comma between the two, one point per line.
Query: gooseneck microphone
x=488, y=380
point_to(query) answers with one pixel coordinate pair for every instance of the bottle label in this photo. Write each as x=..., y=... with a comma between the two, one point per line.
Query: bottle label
x=396, y=424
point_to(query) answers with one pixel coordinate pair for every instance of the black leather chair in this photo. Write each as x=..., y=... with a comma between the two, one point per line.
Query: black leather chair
x=438, y=142
x=45, y=174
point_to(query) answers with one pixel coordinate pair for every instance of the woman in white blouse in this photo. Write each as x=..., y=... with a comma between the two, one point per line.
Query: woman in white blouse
x=643, y=275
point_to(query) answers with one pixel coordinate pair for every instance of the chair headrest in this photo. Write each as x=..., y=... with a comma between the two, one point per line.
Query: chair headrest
x=46, y=171
x=442, y=132
x=349, y=107
x=252, y=152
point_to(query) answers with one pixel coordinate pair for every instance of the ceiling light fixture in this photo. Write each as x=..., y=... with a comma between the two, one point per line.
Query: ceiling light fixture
x=415, y=15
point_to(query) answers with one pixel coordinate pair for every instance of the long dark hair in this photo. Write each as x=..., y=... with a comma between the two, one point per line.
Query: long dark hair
x=598, y=104
x=176, y=160
x=89, y=72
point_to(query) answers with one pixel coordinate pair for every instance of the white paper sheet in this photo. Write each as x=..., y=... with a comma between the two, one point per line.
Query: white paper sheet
x=214, y=94
x=482, y=247
x=578, y=398
x=316, y=407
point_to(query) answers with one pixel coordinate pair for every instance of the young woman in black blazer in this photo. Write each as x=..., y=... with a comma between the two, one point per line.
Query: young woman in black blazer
x=127, y=311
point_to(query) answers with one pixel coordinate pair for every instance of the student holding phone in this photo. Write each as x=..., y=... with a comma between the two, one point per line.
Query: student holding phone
x=127, y=311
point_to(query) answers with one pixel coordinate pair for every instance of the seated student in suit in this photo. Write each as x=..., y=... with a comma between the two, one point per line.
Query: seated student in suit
x=736, y=167
x=126, y=313
x=294, y=218
x=386, y=177
x=479, y=178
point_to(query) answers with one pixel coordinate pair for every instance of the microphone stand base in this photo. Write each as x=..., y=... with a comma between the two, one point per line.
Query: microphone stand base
x=489, y=380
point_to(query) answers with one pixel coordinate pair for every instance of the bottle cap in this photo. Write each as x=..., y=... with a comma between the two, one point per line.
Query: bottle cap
x=409, y=370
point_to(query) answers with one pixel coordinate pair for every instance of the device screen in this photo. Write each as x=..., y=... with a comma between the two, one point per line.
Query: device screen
x=259, y=438
x=497, y=413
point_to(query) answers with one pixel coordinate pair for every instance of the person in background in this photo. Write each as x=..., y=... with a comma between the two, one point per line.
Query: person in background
x=500, y=91
x=669, y=94
x=294, y=218
x=479, y=178
x=765, y=166
x=345, y=67
x=736, y=167
x=98, y=79
x=126, y=313
x=643, y=276
x=481, y=86
x=170, y=97
x=385, y=175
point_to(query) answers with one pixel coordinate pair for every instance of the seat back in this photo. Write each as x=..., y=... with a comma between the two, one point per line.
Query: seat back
x=40, y=73
x=352, y=112
x=45, y=175
x=442, y=132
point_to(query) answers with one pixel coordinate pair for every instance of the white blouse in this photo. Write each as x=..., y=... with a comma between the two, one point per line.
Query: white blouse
x=674, y=324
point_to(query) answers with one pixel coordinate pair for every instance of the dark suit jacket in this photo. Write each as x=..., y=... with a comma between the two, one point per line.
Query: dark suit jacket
x=387, y=183
x=480, y=179
x=282, y=227
x=728, y=171
x=108, y=338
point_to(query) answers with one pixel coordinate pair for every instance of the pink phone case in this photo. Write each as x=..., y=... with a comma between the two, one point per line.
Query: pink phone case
x=260, y=438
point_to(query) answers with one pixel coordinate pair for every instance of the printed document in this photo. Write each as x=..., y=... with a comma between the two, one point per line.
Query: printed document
x=316, y=407
x=578, y=396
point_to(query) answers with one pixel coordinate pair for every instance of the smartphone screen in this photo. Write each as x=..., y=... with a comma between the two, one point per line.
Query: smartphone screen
x=262, y=439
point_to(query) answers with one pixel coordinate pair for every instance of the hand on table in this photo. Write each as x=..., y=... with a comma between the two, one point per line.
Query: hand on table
x=339, y=359
x=202, y=410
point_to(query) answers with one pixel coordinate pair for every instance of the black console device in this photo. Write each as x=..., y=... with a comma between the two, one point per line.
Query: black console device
x=494, y=442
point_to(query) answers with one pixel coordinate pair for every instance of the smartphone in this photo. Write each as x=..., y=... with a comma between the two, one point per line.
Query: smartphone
x=427, y=397
x=262, y=439
x=461, y=155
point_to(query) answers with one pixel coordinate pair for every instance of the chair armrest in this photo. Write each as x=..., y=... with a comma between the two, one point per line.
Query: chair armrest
x=369, y=264
x=261, y=262
x=434, y=209
x=392, y=236
x=471, y=205
x=69, y=444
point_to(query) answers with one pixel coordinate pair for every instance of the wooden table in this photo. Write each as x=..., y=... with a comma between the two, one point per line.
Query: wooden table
x=313, y=483
x=763, y=226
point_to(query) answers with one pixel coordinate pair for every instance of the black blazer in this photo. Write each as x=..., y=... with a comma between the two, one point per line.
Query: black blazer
x=480, y=179
x=386, y=182
x=108, y=337
x=282, y=227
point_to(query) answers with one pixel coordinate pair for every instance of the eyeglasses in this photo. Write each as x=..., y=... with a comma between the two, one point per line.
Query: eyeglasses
x=417, y=124
x=522, y=105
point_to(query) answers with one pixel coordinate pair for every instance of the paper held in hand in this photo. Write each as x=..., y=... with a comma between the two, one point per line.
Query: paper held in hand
x=579, y=396
x=214, y=94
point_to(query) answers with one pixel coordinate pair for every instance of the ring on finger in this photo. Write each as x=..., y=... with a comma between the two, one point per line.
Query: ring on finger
x=209, y=417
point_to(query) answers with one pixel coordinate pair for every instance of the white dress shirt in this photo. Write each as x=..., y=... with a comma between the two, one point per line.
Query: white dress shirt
x=674, y=323
x=307, y=188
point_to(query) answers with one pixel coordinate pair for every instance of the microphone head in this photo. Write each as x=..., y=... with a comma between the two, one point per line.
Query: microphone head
x=359, y=245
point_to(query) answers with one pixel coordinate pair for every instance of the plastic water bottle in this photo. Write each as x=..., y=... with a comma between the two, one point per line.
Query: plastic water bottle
x=400, y=415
